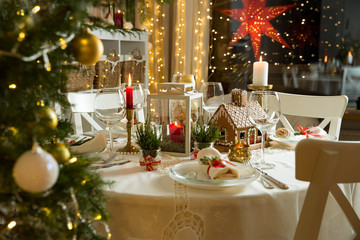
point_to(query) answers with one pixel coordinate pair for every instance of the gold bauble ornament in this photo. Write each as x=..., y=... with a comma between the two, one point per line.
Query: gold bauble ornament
x=87, y=48
x=47, y=118
x=59, y=151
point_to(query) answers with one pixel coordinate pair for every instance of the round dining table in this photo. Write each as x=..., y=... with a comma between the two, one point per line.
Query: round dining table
x=151, y=205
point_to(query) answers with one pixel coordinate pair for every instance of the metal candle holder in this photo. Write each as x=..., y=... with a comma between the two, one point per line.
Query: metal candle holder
x=260, y=88
x=129, y=148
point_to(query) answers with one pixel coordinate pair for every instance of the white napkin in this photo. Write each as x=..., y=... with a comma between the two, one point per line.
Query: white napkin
x=226, y=173
x=97, y=144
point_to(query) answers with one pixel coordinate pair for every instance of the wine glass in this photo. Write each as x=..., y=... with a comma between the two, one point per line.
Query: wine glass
x=213, y=96
x=110, y=108
x=264, y=112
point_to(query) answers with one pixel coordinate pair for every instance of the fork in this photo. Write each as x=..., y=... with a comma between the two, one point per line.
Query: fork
x=267, y=184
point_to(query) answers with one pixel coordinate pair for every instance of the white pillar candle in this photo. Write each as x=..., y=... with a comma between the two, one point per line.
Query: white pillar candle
x=349, y=58
x=260, y=73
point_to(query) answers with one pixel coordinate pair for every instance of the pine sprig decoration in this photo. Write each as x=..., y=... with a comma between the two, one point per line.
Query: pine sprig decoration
x=205, y=132
x=148, y=137
x=207, y=160
x=24, y=87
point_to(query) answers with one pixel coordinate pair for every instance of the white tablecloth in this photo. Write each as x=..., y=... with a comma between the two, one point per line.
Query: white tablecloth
x=150, y=205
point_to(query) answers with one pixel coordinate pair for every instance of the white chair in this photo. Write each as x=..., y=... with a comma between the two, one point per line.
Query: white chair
x=350, y=85
x=82, y=106
x=329, y=108
x=325, y=164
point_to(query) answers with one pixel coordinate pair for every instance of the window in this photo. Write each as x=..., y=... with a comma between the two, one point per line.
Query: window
x=308, y=43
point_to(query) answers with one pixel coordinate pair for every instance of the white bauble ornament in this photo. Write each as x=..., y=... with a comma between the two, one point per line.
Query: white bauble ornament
x=128, y=25
x=208, y=152
x=36, y=171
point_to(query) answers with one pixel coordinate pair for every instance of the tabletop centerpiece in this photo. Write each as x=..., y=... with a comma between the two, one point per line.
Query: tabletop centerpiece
x=148, y=137
x=175, y=107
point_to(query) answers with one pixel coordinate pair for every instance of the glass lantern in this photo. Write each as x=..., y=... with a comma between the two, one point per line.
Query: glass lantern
x=175, y=108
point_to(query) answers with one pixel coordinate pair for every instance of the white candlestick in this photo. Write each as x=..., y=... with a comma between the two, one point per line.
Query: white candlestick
x=260, y=73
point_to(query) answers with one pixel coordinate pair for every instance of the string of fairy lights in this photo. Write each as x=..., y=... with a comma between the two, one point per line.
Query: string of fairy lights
x=200, y=50
x=179, y=40
x=202, y=17
x=155, y=26
x=196, y=62
x=312, y=30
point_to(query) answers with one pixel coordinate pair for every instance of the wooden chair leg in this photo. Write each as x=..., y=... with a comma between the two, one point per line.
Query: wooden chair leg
x=316, y=197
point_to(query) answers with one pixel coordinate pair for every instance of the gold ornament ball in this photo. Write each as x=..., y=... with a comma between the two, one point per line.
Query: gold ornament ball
x=59, y=151
x=86, y=48
x=47, y=118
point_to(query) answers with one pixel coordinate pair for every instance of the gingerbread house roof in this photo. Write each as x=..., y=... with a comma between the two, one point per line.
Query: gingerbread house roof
x=238, y=116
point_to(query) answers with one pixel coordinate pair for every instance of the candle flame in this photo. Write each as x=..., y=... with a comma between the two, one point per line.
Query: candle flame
x=260, y=58
x=325, y=59
x=119, y=11
x=349, y=54
x=130, y=80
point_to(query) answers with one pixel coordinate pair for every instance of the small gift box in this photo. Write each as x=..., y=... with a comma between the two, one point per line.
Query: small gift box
x=150, y=159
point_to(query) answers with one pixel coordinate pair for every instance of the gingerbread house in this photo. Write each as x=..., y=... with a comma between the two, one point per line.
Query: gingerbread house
x=232, y=118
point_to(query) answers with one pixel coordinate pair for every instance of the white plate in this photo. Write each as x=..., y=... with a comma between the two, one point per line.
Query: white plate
x=297, y=138
x=193, y=175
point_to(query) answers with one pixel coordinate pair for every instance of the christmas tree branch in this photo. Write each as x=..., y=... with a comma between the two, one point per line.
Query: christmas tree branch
x=35, y=56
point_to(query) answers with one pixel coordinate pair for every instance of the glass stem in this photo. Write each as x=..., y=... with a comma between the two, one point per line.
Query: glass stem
x=110, y=136
x=262, y=161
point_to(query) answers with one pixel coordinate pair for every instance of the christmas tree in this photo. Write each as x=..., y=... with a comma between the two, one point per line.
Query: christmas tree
x=45, y=192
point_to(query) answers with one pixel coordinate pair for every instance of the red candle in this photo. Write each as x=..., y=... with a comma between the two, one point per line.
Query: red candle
x=119, y=22
x=129, y=95
x=176, y=131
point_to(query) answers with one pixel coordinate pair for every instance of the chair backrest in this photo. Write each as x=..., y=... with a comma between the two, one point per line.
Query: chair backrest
x=351, y=82
x=329, y=108
x=82, y=105
x=325, y=164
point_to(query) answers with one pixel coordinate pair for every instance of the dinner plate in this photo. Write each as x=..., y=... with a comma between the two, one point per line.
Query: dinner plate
x=293, y=140
x=194, y=175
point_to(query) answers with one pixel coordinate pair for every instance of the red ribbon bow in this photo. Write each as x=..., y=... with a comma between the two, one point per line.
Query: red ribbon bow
x=219, y=163
x=307, y=133
x=196, y=151
x=149, y=162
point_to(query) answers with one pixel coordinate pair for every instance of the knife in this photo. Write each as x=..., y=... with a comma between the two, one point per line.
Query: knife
x=107, y=165
x=277, y=182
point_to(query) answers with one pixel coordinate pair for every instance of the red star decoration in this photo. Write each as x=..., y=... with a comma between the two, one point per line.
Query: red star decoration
x=254, y=18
